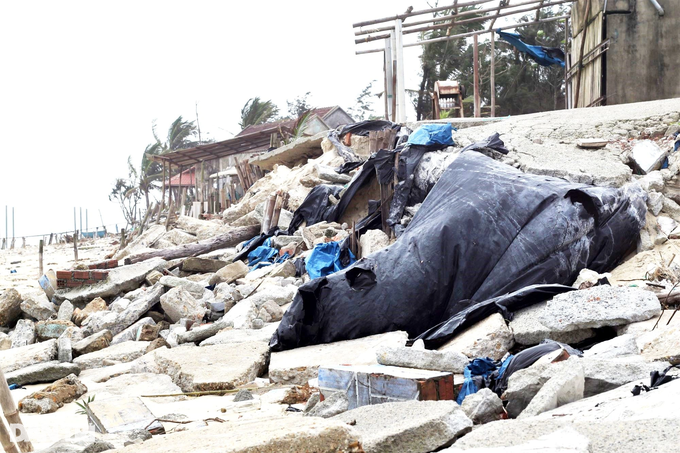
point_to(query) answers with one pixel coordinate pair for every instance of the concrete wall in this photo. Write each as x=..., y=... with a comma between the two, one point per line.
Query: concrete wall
x=643, y=62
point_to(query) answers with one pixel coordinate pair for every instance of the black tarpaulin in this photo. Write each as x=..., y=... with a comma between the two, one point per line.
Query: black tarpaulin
x=484, y=231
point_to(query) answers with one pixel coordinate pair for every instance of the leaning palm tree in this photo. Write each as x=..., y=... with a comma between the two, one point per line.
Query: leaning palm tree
x=179, y=136
x=257, y=112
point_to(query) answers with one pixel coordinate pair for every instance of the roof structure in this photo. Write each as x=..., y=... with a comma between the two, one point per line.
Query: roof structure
x=188, y=179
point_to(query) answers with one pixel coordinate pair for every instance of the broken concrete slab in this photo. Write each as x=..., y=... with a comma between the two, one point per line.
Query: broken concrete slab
x=647, y=156
x=565, y=440
x=120, y=279
x=297, y=366
x=329, y=174
x=334, y=404
x=96, y=342
x=178, y=303
x=449, y=360
x=5, y=341
x=487, y=338
x=241, y=316
x=65, y=312
x=230, y=273
x=65, y=343
x=372, y=241
x=483, y=406
x=203, y=332
x=137, y=385
x=283, y=270
x=279, y=294
x=36, y=305
x=51, y=329
x=95, y=305
x=42, y=372
x=17, y=358
x=121, y=352
x=117, y=415
x=599, y=306
x=10, y=306
x=410, y=426
x=528, y=330
x=54, y=396
x=217, y=367
x=23, y=333
x=92, y=442
x=235, y=336
x=665, y=346
x=292, y=154
x=170, y=281
x=276, y=435
x=602, y=375
x=565, y=386
x=132, y=332
x=202, y=265
x=624, y=345
x=641, y=327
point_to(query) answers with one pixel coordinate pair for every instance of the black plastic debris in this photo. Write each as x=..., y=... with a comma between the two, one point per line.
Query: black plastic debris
x=657, y=378
x=484, y=234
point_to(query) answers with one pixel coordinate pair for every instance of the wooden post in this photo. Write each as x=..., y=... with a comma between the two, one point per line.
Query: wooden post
x=75, y=245
x=475, y=57
x=6, y=440
x=13, y=419
x=40, y=257
x=12, y=246
x=566, y=63
x=181, y=173
x=23, y=243
x=170, y=190
x=268, y=214
x=170, y=212
x=50, y=242
x=372, y=141
x=158, y=220
x=277, y=212
x=493, y=74
x=580, y=58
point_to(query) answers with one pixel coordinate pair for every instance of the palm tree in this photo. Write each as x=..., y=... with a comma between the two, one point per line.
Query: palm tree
x=257, y=112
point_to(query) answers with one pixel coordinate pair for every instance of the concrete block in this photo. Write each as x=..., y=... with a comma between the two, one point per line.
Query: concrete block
x=423, y=359
x=490, y=337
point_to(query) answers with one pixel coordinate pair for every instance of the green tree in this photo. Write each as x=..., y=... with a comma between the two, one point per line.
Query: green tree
x=256, y=112
x=127, y=194
x=363, y=108
x=299, y=106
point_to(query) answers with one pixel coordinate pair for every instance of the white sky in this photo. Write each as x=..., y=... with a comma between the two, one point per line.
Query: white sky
x=82, y=81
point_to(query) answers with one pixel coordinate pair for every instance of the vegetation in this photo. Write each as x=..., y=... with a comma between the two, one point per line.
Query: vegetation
x=256, y=112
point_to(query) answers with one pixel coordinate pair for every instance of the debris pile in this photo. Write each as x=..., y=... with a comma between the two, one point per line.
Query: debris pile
x=411, y=282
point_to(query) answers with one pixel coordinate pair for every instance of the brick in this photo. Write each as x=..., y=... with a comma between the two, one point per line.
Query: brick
x=64, y=275
x=73, y=284
x=61, y=283
x=110, y=264
x=83, y=275
x=89, y=282
x=99, y=275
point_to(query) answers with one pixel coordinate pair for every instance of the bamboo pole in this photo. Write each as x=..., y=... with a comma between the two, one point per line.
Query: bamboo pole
x=158, y=220
x=277, y=212
x=269, y=213
x=584, y=34
x=12, y=416
x=75, y=245
x=493, y=74
x=417, y=13
x=6, y=440
x=40, y=257
x=475, y=57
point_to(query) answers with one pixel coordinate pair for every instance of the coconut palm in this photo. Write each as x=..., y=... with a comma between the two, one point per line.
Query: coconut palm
x=257, y=112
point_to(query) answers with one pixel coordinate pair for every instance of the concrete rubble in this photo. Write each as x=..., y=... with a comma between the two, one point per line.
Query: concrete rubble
x=148, y=333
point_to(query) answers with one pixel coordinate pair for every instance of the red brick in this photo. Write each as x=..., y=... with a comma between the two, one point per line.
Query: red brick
x=99, y=275
x=61, y=283
x=81, y=275
x=110, y=264
x=73, y=284
x=64, y=275
x=89, y=282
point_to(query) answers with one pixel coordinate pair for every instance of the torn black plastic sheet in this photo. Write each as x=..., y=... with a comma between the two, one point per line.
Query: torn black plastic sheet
x=485, y=230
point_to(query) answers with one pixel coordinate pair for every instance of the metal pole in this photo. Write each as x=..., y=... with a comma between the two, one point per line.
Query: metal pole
x=389, y=88
x=475, y=57
x=401, y=89
x=493, y=74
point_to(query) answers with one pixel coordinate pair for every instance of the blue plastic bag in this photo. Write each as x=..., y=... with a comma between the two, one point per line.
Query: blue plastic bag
x=432, y=134
x=325, y=260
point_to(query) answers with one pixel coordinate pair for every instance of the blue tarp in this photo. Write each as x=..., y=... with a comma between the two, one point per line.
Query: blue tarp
x=325, y=260
x=541, y=55
x=265, y=255
x=432, y=135
x=482, y=368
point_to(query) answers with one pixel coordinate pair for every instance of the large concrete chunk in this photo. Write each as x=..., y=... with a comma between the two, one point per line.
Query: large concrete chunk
x=602, y=375
x=202, y=265
x=423, y=359
x=647, y=156
x=235, y=336
x=275, y=435
x=624, y=345
x=17, y=358
x=666, y=346
x=599, y=306
x=53, y=396
x=120, y=279
x=483, y=406
x=564, y=440
x=23, y=333
x=528, y=329
x=131, y=333
x=293, y=153
x=281, y=295
x=36, y=305
x=564, y=387
x=411, y=426
x=372, y=241
x=93, y=343
x=42, y=372
x=230, y=273
x=217, y=367
x=51, y=329
x=10, y=306
x=95, y=305
x=638, y=328
x=178, y=303
x=297, y=366
x=121, y=352
x=487, y=338
x=195, y=288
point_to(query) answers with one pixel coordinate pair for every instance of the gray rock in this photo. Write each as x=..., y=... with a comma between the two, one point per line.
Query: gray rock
x=17, y=358
x=313, y=400
x=279, y=242
x=448, y=360
x=36, y=305
x=671, y=208
x=665, y=346
x=602, y=375
x=243, y=395
x=10, y=306
x=624, y=345
x=284, y=270
x=372, y=241
x=639, y=328
x=137, y=308
x=96, y=342
x=258, y=323
x=647, y=156
x=202, y=265
x=487, y=338
x=599, y=306
x=264, y=315
x=54, y=396
x=65, y=343
x=566, y=386
x=130, y=334
x=65, y=311
x=483, y=407
x=153, y=277
x=23, y=333
x=51, y=329
x=335, y=403
x=230, y=273
x=242, y=315
x=274, y=310
x=236, y=336
x=655, y=202
x=119, y=305
x=121, y=279
x=329, y=174
x=203, y=332
x=179, y=303
x=652, y=181
x=528, y=329
x=280, y=295
x=196, y=289
x=42, y=372
x=565, y=440
x=524, y=384
x=87, y=442
x=5, y=341
x=409, y=426
x=121, y=352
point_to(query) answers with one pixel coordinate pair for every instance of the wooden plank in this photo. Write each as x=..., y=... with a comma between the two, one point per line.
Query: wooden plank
x=579, y=62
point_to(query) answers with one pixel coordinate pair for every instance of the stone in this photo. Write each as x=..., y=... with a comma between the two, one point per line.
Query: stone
x=54, y=396
x=671, y=208
x=372, y=241
x=96, y=342
x=566, y=386
x=483, y=406
x=655, y=202
x=599, y=306
x=121, y=352
x=36, y=305
x=524, y=384
x=490, y=337
x=95, y=305
x=313, y=400
x=449, y=360
x=602, y=375
x=280, y=295
x=230, y=273
x=284, y=270
x=241, y=316
x=565, y=440
x=131, y=333
x=149, y=331
x=153, y=277
x=665, y=345
x=121, y=279
x=10, y=306
x=65, y=312
x=179, y=303
x=42, y=372
x=666, y=224
x=46, y=330
x=93, y=442
x=202, y=265
x=647, y=156
x=5, y=341
x=329, y=174
x=276, y=435
x=17, y=358
x=258, y=323
x=528, y=330
x=410, y=426
x=23, y=333
x=203, y=332
x=639, y=328
x=65, y=343
x=279, y=242
x=136, y=309
x=336, y=403
x=243, y=395
x=236, y=336
x=156, y=344
x=264, y=315
x=624, y=345
x=274, y=311
x=218, y=367
x=194, y=288
x=652, y=181
x=297, y=366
